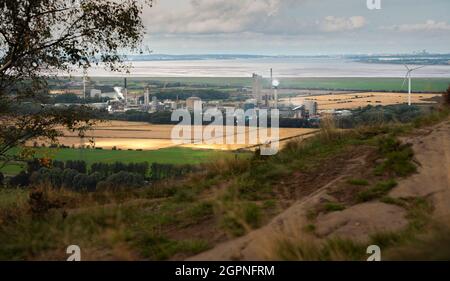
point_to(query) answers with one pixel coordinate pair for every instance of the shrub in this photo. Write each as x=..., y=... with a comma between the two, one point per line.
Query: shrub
x=360, y=182
x=446, y=97
x=398, y=158
x=120, y=181
x=252, y=215
x=20, y=180
x=52, y=177
x=58, y=164
x=83, y=182
x=333, y=207
x=78, y=165
x=378, y=191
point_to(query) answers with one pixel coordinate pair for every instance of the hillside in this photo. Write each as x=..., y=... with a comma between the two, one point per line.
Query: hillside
x=365, y=223
x=360, y=185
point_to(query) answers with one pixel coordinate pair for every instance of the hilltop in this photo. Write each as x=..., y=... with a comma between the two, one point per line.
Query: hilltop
x=359, y=183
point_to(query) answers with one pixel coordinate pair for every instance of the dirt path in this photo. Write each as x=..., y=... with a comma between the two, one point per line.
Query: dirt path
x=432, y=152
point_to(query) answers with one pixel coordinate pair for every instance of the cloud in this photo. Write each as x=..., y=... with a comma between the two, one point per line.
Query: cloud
x=338, y=24
x=429, y=25
x=215, y=16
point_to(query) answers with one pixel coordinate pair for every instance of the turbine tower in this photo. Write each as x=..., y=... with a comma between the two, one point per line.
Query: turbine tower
x=275, y=84
x=408, y=77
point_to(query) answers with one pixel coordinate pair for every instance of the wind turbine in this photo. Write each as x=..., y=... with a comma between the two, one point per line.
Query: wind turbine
x=408, y=76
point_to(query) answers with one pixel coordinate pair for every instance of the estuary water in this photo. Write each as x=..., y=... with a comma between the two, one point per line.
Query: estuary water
x=282, y=67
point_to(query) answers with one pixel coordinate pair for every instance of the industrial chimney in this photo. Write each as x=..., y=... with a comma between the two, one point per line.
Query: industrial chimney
x=147, y=96
x=126, y=90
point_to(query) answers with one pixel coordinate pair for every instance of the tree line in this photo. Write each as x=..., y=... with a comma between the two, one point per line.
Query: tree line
x=75, y=175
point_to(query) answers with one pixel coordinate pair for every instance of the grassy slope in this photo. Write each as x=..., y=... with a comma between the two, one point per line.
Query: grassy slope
x=178, y=219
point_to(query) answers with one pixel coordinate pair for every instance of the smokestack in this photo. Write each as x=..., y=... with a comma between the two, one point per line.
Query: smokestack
x=126, y=90
x=146, y=97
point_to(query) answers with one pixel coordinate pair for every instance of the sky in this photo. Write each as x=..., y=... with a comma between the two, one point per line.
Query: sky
x=297, y=27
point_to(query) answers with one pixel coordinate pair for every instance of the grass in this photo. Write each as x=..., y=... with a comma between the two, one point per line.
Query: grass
x=241, y=217
x=377, y=191
x=295, y=248
x=352, y=83
x=12, y=197
x=175, y=218
x=398, y=158
x=333, y=207
x=162, y=156
x=333, y=249
x=162, y=248
x=358, y=182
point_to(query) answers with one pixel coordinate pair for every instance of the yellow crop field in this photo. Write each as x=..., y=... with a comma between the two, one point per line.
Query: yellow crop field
x=355, y=100
x=137, y=135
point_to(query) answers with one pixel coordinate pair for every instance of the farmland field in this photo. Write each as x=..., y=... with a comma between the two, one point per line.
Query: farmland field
x=139, y=142
x=176, y=155
x=355, y=100
x=138, y=135
x=357, y=84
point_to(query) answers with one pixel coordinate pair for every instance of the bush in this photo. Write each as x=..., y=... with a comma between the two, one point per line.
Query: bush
x=20, y=180
x=67, y=178
x=398, y=158
x=378, y=191
x=106, y=169
x=334, y=207
x=45, y=176
x=252, y=215
x=83, y=182
x=446, y=96
x=121, y=181
x=78, y=165
x=360, y=182
x=58, y=164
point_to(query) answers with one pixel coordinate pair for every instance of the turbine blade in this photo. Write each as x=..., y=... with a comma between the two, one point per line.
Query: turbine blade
x=404, y=80
x=418, y=67
x=407, y=67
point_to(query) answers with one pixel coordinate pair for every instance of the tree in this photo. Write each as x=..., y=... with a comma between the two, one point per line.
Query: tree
x=447, y=96
x=39, y=38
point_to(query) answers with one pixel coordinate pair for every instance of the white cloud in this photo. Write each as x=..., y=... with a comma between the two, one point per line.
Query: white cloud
x=214, y=16
x=337, y=24
x=429, y=25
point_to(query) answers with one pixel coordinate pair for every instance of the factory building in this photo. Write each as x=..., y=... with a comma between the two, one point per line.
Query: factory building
x=95, y=93
x=147, y=97
x=310, y=107
x=190, y=102
x=257, y=88
x=250, y=104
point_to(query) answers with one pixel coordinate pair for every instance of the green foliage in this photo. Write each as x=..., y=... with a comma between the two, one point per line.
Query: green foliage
x=333, y=207
x=360, y=182
x=331, y=250
x=232, y=225
x=106, y=169
x=398, y=158
x=160, y=248
x=252, y=214
x=378, y=191
x=201, y=210
x=163, y=171
x=184, y=195
x=380, y=115
x=120, y=181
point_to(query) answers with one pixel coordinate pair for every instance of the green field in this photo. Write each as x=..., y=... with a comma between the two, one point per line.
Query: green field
x=163, y=156
x=358, y=84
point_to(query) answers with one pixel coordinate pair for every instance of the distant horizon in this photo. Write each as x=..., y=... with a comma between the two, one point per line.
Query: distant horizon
x=291, y=55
